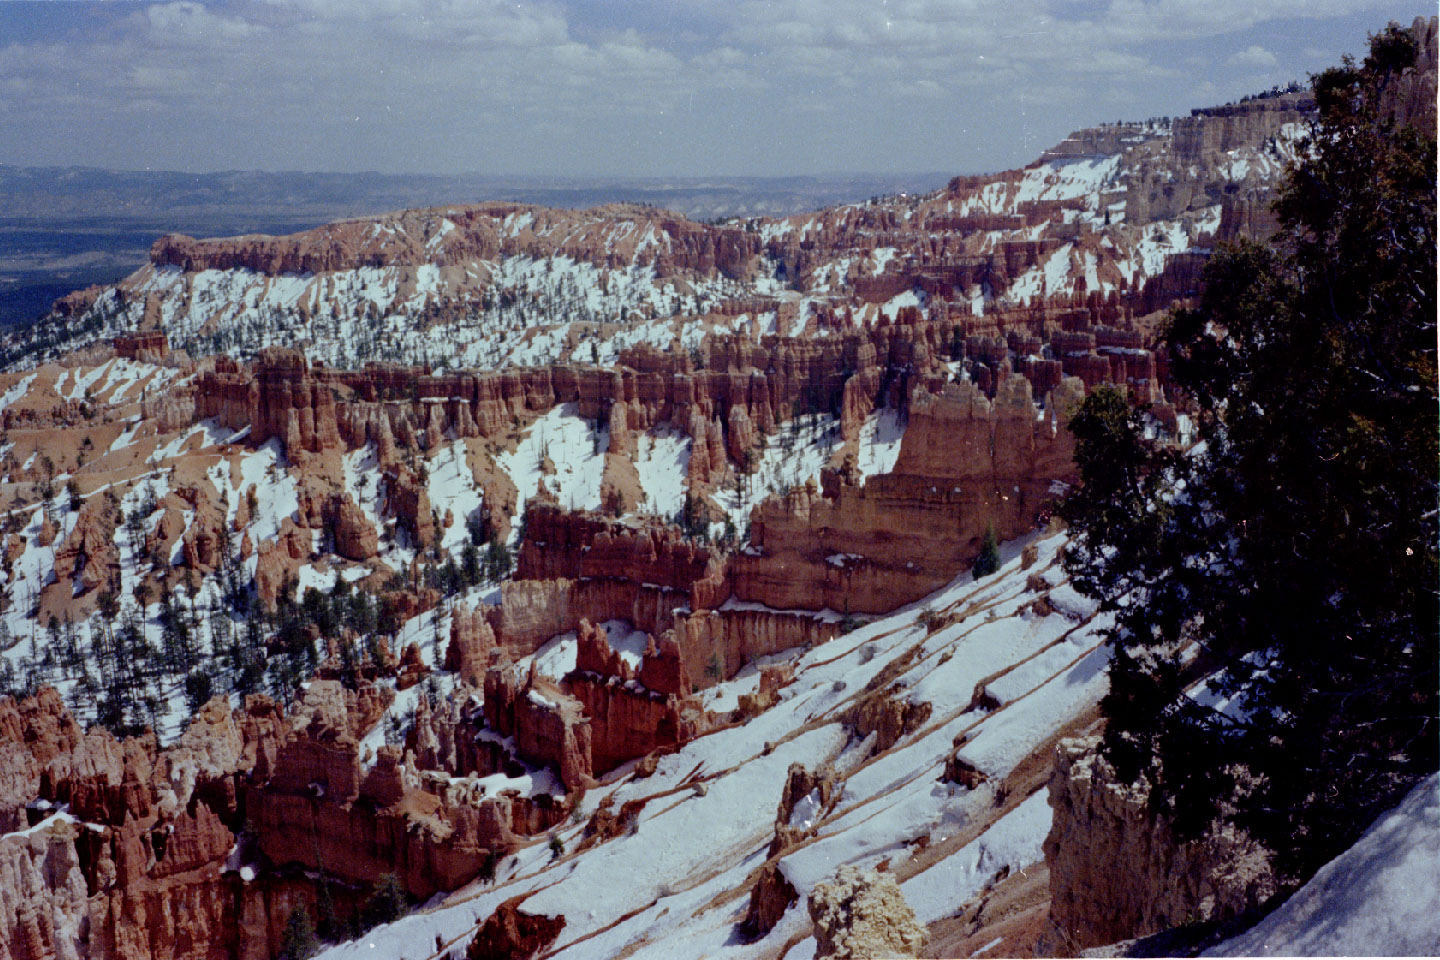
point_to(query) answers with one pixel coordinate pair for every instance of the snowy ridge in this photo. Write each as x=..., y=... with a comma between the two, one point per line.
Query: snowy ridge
x=498, y=285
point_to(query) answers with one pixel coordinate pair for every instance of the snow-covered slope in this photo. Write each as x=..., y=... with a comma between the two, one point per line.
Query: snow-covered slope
x=1002, y=674
x=1379, y=898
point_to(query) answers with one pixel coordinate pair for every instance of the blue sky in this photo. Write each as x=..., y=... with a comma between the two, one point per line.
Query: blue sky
x=630, y=87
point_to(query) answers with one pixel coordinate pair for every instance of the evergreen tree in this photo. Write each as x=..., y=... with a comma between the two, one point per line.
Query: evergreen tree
x=298, y=941
x=1296, y=547
x=387, y=902
x=989, y=559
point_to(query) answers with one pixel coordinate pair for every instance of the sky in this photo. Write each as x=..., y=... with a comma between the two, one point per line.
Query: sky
x=631, y=87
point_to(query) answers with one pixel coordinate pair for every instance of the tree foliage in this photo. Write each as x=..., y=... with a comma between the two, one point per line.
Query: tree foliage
x=298, y=942
x=988, y=560
x=1290, y=558
x=387, y=902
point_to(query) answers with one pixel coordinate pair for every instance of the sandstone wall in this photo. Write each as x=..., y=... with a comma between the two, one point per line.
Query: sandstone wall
x=1116, y=870
x=965, y=464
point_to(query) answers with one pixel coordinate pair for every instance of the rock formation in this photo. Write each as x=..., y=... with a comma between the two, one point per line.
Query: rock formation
x=1117, y=871
x=509, y=934
x=966, y=464
x=864, y=914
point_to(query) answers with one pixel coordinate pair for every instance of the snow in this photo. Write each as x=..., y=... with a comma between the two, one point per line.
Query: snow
x=1057, y=272
x=59, y=817
x=806, y=811
x=796, y=453
x=276, y=496
x=1014, y=841
x=999, y=745
x=735, y=814
x=556, y=657
x=308, y=577
x=575, y=447
x=880, y=438
x=1379, y=898
x=907, y=298
x=452, y=488
x=662, y=461
x=126, y=436
x=20, y=388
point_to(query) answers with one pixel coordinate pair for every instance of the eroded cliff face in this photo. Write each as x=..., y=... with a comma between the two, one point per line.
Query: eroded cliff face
x=966, y=464
x=1117, y=871
x=127, y=850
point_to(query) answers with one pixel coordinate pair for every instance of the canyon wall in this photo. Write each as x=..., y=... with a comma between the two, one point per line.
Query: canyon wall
x=116, y=848
x=966, y=464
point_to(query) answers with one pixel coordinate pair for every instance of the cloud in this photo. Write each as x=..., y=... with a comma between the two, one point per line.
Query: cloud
x=191, y=22
x=1252, y=56
x=647, y=86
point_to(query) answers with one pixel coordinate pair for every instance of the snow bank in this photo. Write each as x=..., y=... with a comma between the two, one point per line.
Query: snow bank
x=1379, y=898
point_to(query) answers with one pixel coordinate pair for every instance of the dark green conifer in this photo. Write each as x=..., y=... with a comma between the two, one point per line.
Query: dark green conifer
x=1296, y=548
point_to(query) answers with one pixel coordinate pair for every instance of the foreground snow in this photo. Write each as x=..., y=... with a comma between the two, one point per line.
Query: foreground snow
x=1379, y=898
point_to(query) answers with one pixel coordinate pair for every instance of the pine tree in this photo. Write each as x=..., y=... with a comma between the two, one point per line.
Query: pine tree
x=387, y=902
x=989, y=559
x=1296, y=548
x=298, y=941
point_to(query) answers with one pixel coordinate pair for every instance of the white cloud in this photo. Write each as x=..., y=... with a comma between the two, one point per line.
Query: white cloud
x=1252, y=56
x=192, y=22
x=645, y=86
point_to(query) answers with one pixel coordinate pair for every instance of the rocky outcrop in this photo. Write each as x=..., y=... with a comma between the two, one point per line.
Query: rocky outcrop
x=129, y=858
x=407, y=499
x=562, y=544
x=627, y=719
x=471, y=640
x=807, y=797
x=864, y=914
x=713, y=645
x=149, y=347
x=509, y=934
x=88, y=557
x=355, y=536
x=44, y=903
x=889, y=714
x=533, y=611
x=320, y=808
x=279, y=560
x=1117, y=871
x=549, y=726
x=133, y=850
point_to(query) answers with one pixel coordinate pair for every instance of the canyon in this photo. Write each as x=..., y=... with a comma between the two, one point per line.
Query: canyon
x=596, y=583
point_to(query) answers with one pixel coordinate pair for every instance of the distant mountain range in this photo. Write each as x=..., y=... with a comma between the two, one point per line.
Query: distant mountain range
x=63, y=228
